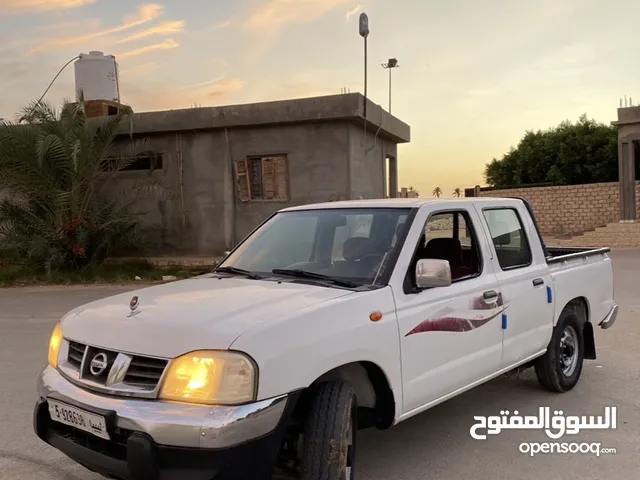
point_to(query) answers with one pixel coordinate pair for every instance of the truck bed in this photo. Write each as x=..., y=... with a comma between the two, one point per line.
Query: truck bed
x=562, y=254
x=557, y=255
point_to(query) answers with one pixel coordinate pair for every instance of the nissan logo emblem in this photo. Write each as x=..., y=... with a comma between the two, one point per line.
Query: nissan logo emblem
x=98, y=364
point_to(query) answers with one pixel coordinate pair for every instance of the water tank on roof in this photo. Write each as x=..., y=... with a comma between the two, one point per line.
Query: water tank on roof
x=97, y=76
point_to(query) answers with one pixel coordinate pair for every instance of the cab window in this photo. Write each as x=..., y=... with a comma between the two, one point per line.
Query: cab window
x=509, y=238
x=449, y=236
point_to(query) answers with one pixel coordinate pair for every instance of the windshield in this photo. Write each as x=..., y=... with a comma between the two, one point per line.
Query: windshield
x=357, y=245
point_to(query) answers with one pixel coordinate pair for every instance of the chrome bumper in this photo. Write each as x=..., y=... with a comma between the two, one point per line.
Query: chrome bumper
x=175, y=424
x=610, y=319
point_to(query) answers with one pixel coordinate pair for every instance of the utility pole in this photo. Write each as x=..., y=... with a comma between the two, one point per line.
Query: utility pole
x=391, y=64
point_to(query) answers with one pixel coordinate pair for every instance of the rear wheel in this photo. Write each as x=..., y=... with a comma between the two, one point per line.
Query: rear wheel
x=559, y=369
x=329, y=441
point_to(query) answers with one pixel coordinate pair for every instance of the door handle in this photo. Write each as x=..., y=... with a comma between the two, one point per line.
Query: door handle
x=490, y=297
x=537, y=282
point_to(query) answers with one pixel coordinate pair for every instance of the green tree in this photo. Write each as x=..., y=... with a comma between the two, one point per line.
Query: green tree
x=60, y=203
x=569, y=154
x=437, y=192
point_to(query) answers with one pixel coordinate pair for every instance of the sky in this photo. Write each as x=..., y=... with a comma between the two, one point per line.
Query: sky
x=474, y=75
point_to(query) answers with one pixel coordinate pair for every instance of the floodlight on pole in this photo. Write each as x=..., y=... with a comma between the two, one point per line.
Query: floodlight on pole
x=391, y=64
x=363, y=28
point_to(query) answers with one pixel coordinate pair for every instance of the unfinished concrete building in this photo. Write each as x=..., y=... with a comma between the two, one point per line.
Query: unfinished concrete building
x=231, y=167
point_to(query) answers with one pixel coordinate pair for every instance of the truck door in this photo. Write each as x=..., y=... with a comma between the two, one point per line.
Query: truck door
x=524, y=275
x=450, y=336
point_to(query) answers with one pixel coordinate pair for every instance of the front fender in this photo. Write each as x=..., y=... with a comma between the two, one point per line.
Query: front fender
x=292, y=353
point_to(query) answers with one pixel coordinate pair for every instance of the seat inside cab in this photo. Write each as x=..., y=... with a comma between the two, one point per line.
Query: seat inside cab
x=450, y=236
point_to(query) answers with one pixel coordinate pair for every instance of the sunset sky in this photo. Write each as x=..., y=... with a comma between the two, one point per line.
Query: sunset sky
x=474, y=74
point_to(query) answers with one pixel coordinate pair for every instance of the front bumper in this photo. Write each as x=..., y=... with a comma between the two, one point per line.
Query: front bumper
x=154, y=440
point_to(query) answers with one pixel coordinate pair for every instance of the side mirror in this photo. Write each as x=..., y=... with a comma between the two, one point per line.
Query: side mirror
x=433, y=273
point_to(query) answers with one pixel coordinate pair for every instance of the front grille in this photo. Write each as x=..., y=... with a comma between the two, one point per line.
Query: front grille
x=76, y=352
x=145, y=371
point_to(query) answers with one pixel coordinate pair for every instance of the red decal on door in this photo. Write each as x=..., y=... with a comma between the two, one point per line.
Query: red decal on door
x=455, y=324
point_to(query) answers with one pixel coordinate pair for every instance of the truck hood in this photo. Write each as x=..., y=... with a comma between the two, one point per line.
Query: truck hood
x=199, y=313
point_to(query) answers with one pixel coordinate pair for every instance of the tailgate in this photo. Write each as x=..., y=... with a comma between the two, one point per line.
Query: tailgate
x=586, y=274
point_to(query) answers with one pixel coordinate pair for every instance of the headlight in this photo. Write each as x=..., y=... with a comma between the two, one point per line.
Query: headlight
x=210, y=378
x=54, y=345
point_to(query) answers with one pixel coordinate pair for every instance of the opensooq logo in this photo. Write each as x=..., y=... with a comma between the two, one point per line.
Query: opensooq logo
x=555, y=426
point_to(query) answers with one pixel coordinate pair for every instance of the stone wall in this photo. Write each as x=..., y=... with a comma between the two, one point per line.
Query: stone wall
x=570, y=209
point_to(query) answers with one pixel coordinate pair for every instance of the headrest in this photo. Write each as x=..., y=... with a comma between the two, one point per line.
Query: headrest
x=354, y=248
x=399, y=231
x=445, y=249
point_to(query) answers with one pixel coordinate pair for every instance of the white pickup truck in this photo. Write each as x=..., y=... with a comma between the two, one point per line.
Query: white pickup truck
x=326, y=319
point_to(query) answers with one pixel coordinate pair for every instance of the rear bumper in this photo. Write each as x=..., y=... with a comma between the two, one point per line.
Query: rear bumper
x=152, y=440
x=610, y=319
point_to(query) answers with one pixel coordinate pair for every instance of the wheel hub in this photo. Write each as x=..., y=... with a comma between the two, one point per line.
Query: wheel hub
x=569, y=351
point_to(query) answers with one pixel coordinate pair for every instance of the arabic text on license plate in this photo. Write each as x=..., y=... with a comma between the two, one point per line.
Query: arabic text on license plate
x=78, y=418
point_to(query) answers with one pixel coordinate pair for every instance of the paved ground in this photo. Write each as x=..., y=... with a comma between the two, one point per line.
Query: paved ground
x=435, y=445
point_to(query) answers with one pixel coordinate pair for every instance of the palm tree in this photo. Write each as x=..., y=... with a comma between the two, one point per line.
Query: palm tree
x=457, y=193
x=59, y=204
x=412, y=190
x=437, y=192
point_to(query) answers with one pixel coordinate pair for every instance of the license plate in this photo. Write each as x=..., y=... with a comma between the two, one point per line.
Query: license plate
x=78, y=418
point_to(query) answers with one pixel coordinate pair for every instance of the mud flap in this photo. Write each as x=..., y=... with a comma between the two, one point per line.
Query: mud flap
x=589, y=341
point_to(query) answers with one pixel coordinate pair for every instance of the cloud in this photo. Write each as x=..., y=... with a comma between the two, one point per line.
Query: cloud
x=202, y=84
x=300, y=83
x=10, y=7
x=225, y=87
x=221, y=25
x=172, y=96
x=146, y=13
x=84, y=24
x=166, y=45
x=164, y=28
x=274, y=12
x=353, y=12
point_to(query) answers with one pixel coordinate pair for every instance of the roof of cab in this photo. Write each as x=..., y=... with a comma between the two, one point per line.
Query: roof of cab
x=393, y=203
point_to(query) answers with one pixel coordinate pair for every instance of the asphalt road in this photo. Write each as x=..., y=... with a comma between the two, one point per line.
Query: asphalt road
x=434, y=445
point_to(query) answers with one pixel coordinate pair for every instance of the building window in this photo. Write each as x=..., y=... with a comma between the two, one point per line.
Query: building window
x=141, y=163
x=255, y=174
x=263, y=178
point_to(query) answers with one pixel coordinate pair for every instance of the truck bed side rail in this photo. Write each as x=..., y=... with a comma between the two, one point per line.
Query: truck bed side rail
x=575, y=253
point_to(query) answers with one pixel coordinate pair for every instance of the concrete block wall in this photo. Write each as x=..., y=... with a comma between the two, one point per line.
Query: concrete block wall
x=571, y=209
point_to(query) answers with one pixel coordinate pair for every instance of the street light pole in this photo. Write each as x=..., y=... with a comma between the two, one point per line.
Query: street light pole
x=392, y=63
x=364, y=33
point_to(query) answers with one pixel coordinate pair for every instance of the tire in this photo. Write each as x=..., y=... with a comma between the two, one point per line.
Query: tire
x=328, y=451
x=559, y=369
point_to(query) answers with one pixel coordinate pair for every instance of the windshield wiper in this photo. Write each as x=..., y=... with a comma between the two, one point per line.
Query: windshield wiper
x=238, y=271
x=314, y=276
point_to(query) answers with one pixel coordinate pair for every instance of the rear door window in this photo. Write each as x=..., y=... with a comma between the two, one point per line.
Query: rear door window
x=509, y=238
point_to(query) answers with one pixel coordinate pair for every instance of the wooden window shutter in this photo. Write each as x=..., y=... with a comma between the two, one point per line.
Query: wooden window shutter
x=281, y=178
x=243, y=182
x=269, y=177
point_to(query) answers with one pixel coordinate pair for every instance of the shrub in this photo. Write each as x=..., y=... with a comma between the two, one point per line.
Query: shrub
x=60, y=206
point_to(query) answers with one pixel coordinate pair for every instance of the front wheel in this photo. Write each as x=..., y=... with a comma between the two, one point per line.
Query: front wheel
x=559, y=369
x=330, y=433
